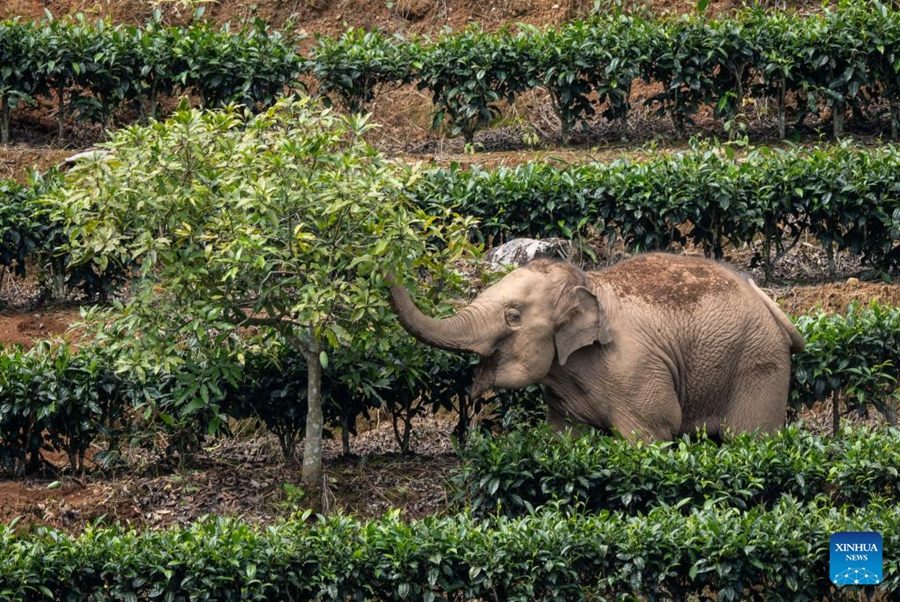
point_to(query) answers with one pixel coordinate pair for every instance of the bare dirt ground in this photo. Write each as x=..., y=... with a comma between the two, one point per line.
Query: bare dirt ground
x=247, y=477
x=17, y=161
x=421, y=17
x=24, y=328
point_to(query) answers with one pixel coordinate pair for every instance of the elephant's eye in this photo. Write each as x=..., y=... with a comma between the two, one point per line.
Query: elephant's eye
x=513, y=317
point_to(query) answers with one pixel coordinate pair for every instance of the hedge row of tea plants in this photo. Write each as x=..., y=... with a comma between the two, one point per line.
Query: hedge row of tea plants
x=846, y=197
x=20, y=236
x=780, y=554
x=528, y=468
x=854, y=357
x=31, y=238
x=55, y=398
x=58, y=399
x=93, y=69
x=841, y=59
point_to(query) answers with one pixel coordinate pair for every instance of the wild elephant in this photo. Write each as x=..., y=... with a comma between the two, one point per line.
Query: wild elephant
x=653, y=347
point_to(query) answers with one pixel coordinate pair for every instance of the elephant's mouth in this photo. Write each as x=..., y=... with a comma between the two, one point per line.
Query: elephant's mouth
x=485, y=374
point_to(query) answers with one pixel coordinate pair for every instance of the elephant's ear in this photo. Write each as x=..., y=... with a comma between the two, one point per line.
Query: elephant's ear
x=586, y=323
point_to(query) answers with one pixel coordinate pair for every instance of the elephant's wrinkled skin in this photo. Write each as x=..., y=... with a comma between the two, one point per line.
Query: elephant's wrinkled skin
x=652, y=347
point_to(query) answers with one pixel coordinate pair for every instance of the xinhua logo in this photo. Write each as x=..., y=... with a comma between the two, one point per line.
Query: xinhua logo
x=855, y=558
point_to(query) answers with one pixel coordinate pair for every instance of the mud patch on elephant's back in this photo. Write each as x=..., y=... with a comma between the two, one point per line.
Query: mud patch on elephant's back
x=670, y=280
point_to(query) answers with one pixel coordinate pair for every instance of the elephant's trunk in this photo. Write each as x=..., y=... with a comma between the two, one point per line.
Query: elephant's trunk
x=457, y=333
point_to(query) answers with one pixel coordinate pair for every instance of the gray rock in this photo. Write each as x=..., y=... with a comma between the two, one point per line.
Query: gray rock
x=520, y=251
x=89, y=153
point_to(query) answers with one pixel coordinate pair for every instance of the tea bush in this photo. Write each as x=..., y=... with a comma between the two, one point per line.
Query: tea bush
x=93, y=70
x=855, y=356
x=841, y=59
x=549, y=555
x=55, y=398
x=525, y=469
x=846, y=197
x=359, y=64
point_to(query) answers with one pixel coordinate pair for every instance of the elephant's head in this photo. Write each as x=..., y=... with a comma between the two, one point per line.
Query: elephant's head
x=535, y=315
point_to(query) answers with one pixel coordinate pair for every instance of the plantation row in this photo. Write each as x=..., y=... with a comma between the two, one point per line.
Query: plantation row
x=839, y=59
x=92, y=70
x=780, y=554
x=527, y=469
x=53, y=397
x=846, y=197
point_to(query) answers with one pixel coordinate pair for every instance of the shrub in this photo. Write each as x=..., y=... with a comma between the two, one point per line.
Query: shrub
x=359, y=64
x=549, y=555
x=526, y=469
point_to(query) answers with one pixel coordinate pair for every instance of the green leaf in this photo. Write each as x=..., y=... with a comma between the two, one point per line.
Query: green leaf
x=193, y=406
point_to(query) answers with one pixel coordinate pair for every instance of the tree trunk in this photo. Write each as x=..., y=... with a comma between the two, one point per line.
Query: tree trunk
x=462, y=424
x=767, y=255
x=312, y=445
x=4, y=120
x=563, y=123
x=345, y=434
x=781, y=94
x=154, y=101
x=738, y=101
x=718, y=249
x=287, y=439
x=403, y=413
x=895, y=119
x=623, y=127
x=836, y=413
x=678, y=118
x=829, y=252
x=468, y=133
x=61, y=109
x=837, y=118
x=59, y=288
x=626, y=108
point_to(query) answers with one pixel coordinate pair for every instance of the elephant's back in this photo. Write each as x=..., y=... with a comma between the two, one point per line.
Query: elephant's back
x=672, y=282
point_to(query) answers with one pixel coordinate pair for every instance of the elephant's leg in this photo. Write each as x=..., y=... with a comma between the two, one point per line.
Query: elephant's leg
x=760, y=393
x=556, y=416
x=630, y=394
x=652, y=412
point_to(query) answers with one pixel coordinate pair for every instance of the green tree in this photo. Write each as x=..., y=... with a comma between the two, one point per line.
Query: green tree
x=241, y=227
